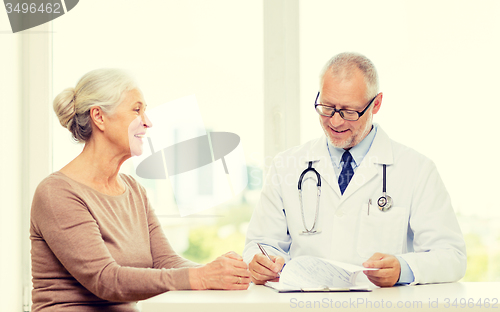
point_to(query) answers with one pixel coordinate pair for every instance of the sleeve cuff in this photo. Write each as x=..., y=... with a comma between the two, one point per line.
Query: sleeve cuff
x=406, y=276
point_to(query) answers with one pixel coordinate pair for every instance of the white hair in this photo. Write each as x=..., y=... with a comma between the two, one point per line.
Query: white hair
x=343, y=65
x=101, y=87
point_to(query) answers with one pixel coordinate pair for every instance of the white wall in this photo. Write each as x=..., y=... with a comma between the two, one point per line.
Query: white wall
x=25, y=79
x=10, y=170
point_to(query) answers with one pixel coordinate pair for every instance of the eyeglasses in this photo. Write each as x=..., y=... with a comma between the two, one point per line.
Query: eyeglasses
x=329, y=111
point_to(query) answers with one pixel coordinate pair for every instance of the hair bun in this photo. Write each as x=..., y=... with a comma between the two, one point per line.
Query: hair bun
x=101, y=87
x=64, y=107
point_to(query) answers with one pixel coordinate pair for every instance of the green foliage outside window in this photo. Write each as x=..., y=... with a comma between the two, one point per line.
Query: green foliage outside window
x=483, y=262
x=207, y=242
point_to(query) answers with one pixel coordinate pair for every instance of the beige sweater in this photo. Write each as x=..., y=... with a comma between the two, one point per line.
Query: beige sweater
x=95, y=252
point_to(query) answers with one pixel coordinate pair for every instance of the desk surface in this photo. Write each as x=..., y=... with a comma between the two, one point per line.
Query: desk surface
x=432, y=297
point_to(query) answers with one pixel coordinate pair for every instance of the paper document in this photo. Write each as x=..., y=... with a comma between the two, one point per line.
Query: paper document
x=308, y=273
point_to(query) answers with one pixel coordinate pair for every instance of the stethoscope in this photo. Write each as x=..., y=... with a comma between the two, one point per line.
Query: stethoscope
x=312, y=230
x=384, y=202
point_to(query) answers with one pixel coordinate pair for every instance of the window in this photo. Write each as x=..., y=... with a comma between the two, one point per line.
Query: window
x=210, y=49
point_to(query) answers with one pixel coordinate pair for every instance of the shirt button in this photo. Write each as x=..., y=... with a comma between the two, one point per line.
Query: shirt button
x=339, y=213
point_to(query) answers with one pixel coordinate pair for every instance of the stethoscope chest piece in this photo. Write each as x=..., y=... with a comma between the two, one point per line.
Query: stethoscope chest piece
x=385, y=201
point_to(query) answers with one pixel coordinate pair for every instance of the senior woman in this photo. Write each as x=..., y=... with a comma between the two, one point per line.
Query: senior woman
x=96, y=242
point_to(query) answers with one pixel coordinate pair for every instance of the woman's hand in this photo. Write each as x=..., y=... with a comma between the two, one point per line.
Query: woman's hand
x=228, y=271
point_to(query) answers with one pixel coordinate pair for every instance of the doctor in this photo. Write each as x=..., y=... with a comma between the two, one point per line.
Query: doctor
x=405, y=226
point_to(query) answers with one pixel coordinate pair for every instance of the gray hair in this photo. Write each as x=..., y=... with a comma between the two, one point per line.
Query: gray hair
x=343, y=65
x=100, y=87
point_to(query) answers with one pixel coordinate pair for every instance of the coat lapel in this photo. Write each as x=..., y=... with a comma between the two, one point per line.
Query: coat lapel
x=380, y=153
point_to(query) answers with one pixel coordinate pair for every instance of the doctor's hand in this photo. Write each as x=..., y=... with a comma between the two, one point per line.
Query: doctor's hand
x=389, y=272
x=263, y=269
x=229, y=271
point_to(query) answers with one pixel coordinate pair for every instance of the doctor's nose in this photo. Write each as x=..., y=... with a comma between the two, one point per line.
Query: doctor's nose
x=336, y=120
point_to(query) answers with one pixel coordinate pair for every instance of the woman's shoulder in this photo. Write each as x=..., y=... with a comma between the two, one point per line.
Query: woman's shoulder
x=55, y=180
x=53, y=193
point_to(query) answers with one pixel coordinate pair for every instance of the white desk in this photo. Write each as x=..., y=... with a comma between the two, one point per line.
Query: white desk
x=433, y=297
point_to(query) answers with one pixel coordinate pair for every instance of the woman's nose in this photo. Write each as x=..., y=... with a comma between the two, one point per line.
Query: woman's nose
x=146, y=121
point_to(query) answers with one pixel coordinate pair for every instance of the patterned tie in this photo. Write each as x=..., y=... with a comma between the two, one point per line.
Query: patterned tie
x=347, y=171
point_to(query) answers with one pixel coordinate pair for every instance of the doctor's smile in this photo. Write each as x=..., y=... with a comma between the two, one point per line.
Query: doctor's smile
x=338, y=131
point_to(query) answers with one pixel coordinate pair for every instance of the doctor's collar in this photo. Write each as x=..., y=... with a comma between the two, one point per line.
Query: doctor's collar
x=358, y=151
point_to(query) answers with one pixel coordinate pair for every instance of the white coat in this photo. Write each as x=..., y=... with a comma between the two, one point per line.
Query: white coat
x=421, y=226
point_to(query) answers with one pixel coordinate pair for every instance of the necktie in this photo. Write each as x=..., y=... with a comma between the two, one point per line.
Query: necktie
x=347, y=171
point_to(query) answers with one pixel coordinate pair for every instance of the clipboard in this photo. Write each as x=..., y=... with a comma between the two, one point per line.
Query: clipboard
x=274, y=286
x=313, y=274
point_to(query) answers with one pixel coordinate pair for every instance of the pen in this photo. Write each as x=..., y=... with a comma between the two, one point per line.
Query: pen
x=265, y=254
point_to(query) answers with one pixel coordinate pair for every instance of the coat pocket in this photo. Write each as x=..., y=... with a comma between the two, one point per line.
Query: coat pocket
x=383, y=232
